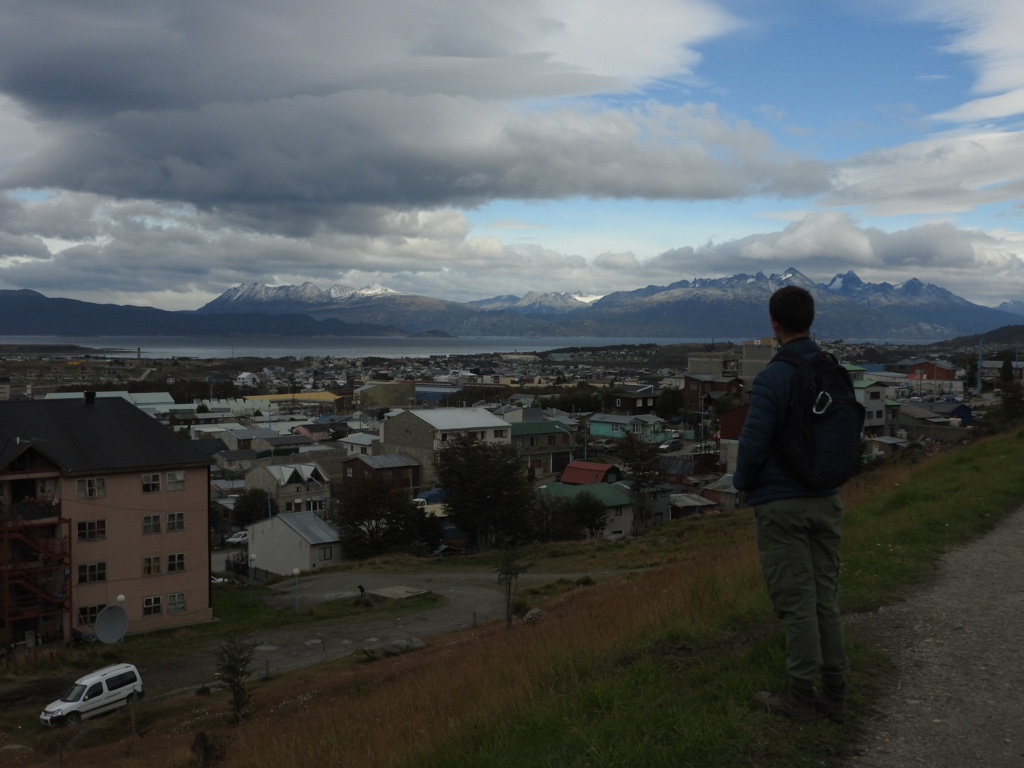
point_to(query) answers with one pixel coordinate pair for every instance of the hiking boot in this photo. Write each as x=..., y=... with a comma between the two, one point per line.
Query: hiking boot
x=797, y=708
x=830, y=705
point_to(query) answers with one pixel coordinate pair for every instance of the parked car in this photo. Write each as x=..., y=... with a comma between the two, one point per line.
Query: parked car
x=604, y=446
x=237, y=539
x=671, y=445
x=101, y=691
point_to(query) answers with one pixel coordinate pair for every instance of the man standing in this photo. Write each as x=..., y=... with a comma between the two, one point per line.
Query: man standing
x=798, y=530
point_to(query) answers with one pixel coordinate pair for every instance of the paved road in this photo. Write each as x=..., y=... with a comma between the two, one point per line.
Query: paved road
x=469, y=598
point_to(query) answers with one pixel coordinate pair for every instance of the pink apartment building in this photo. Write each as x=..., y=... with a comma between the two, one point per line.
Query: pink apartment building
x=99, y=505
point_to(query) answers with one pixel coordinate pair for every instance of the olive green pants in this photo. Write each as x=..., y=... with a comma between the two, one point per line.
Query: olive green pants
x=798, y=548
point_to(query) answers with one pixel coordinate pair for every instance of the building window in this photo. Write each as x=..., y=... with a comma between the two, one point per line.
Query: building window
x=175, y=481
x=151, y=606
x=875, y=395
x=176, y=562
x=499, y=433
x=176, y=602
x=175, y=521
x=87, y=614
x=151, y=565
x=325, y=553
x=151, y=523
x=92, y=530
x=151, y=483
x=91, y=487
x=88, y=572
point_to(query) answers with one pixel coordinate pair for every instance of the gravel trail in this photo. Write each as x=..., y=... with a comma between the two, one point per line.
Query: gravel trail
x=956, y=696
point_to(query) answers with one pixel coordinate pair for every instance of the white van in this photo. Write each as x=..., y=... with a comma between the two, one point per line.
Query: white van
x=101, y=691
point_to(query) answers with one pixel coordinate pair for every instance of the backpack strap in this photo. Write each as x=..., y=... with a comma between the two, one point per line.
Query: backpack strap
x=791, y=357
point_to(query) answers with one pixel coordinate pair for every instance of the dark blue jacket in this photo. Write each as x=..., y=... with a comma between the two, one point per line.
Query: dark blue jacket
x=758, y=470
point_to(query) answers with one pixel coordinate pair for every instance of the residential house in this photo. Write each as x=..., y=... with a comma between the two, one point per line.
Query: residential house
x=589, y=472
x=395, y=469
x=280, y=445
x=293, y=487
x=648, y=428
x=918, y=423
x=701, y=391
x=318, y=432
x=99, y=506
x=636, y=399
x=723, y=493
x=689, y=504
x=235, y=463
x=544, y=446
x=358, y=443
x=617, y=503
x=871, y=394
x=291, y=540
x=420, y=434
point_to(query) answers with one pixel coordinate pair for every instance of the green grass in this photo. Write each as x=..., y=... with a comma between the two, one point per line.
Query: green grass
x=684, y=698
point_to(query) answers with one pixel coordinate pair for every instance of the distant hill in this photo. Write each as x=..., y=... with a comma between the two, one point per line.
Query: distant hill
x=28, y=313
x=732, y=307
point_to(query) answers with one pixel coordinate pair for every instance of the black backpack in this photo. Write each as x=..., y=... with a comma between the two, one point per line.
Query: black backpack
x=819, y=444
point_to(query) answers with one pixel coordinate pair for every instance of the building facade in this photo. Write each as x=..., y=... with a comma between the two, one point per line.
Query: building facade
x=99, y=505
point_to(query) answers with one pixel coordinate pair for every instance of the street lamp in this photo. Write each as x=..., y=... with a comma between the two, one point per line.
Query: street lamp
x=295, y=573
x=252, y=559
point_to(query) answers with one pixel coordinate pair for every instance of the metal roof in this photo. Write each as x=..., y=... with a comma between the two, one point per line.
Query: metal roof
x=109, y=434
x=460, y=418
x=608, y=494
x=386, y=461
x=310, y=527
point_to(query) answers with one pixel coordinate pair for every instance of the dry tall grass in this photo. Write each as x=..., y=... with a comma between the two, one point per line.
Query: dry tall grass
x=382, y=713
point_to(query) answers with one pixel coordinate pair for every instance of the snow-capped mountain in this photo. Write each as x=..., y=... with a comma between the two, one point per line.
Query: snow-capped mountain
x=1015, y=307
x=534, y=303
x=725, y=307
x=253, y=297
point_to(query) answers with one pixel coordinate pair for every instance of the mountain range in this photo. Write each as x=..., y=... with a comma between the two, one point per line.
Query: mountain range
x=725, y=308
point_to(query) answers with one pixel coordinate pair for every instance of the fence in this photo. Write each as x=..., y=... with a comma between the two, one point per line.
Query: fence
x=240, y=567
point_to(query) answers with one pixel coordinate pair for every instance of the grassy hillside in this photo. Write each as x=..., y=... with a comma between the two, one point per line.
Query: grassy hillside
x=654, y=664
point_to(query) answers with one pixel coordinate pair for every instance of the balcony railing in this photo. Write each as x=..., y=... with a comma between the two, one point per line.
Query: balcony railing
x=29, y=509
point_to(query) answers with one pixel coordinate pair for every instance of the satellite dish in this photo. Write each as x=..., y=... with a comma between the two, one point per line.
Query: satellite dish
x=111, y=624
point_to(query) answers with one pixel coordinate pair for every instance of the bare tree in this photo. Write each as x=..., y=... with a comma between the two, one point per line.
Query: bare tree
x=233, y=658
x=510, y=567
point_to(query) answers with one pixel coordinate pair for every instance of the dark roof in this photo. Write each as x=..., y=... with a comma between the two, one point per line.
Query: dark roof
x=210, y=445
x=107, y=434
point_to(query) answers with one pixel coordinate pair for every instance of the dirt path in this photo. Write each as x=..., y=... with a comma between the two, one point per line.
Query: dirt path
x=956, y=697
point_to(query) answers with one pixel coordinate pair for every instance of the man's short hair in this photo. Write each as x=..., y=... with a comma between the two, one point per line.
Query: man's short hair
x=792, y=307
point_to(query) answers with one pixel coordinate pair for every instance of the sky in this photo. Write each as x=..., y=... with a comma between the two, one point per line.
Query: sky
x=160, y=152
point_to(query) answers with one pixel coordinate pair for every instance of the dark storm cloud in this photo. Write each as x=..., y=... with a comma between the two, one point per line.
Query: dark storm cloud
x=278, y=116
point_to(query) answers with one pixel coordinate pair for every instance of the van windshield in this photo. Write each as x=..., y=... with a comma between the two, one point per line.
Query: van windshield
x=75, y=694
